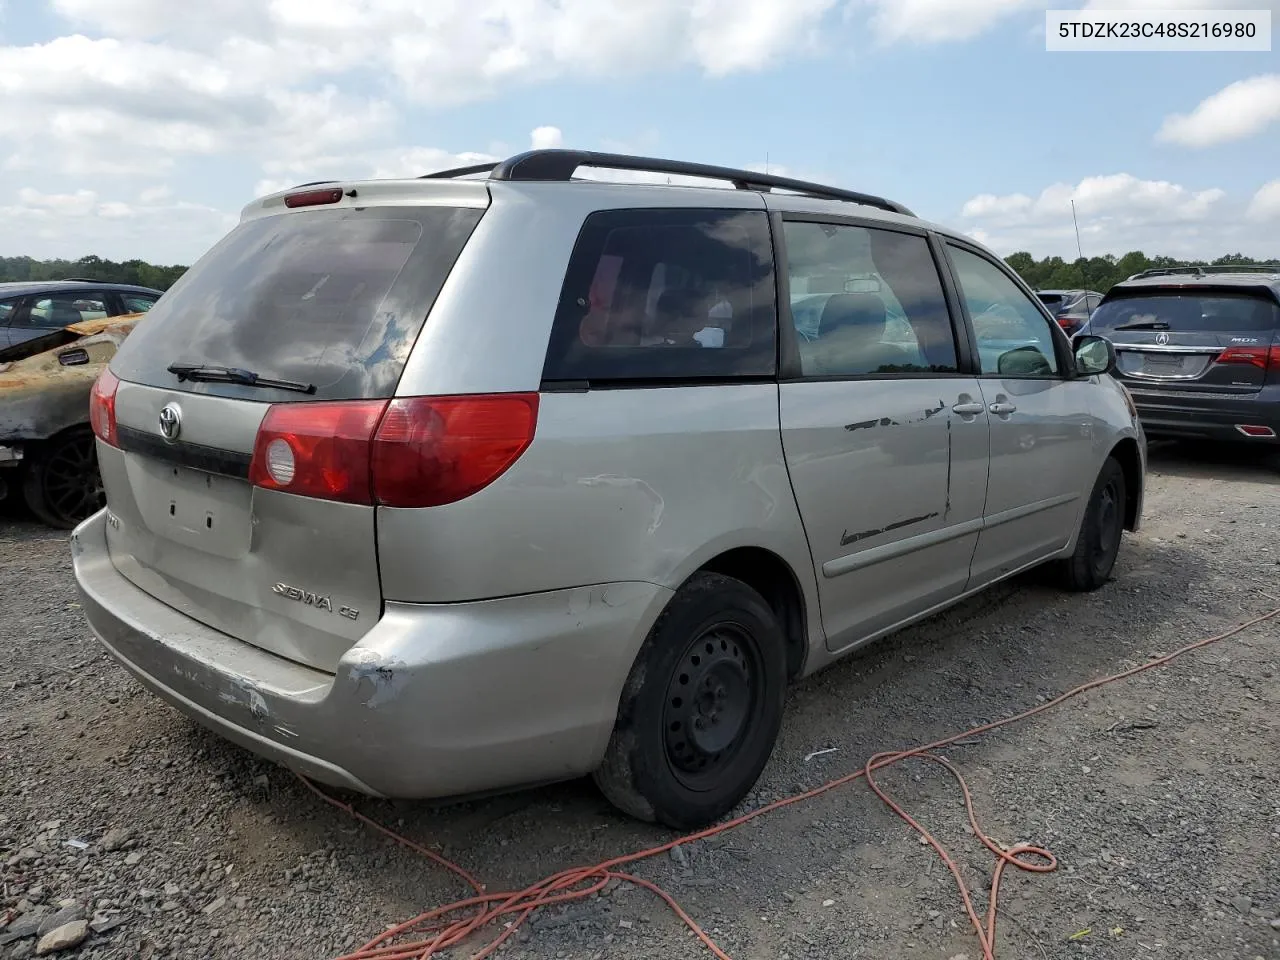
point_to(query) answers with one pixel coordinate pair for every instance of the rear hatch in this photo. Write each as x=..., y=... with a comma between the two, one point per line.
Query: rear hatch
x=1204, y=339
x=323, y=305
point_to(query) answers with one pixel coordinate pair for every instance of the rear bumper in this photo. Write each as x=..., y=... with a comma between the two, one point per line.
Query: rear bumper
x=436, y=700
x=1188, y=417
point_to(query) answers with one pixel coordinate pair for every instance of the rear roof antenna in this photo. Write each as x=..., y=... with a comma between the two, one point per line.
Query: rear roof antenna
x=1080, y=250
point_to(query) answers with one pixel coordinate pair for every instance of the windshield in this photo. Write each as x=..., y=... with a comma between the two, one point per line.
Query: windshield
x=334, y=298
x=1188, y=312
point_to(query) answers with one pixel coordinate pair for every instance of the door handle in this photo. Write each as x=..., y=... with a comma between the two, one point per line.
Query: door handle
x=967, y=409
x=1002, y=409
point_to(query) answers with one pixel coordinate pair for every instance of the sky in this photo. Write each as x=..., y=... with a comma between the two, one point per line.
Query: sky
x=140, y=128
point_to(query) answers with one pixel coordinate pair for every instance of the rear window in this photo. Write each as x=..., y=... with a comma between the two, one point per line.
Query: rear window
x=1051, y=300
x=673, y=295
x=1187, y=313
x=332, y=298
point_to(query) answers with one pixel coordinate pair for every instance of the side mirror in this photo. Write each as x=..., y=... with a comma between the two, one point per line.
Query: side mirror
x=1026, y=361
x=1094, y=355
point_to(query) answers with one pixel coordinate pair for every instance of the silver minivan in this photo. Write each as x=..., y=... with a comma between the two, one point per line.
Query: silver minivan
x=502, y=476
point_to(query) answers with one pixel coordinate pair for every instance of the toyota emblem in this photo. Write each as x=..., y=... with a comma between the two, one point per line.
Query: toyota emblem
x=171, y=421
x=1162, y=338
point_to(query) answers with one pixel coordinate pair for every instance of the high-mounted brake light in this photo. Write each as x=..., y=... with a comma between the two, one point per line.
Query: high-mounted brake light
x=102, y=407
x=313, y=198
x=409, y=452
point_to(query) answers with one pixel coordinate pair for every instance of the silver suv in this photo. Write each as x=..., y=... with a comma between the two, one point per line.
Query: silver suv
x=426, y=488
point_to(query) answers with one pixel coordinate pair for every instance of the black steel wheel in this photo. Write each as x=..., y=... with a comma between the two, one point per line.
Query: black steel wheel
x=701, y=709
x=1101, y=530
x=713, y=696
x=62, y=484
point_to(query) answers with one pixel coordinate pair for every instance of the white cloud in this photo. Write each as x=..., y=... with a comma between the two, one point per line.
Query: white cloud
x=78, y=204
x=1120, y=212
x=545, y=138
x=1265, y=205
x=144, y=85
x=47, y=225
x=937, y=21
x=1235, y=112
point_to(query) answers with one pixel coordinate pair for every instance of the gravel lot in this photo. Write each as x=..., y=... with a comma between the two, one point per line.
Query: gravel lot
x=1159, y=795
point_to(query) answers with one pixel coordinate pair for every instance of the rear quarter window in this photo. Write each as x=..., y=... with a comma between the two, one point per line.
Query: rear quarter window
x=333, y=298
x=667, y=295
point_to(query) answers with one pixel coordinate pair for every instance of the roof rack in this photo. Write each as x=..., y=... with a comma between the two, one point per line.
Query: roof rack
x=561, y=165
x=1203, y=271
x=80, y=280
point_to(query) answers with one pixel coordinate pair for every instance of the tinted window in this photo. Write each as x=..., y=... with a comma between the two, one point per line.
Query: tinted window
x=137, y=302
x=1054, y=301
x=333, y=298
x=866, y=301
x=1215, y=313
x=1014, y=337
x=667, y=295
x=7, y=310
x=64, y=309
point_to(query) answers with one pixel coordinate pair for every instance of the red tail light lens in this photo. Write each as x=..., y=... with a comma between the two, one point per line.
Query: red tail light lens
x=102, y=407
x=1254, y=356
x=1064, y=321
x=317, y=449
x=435, y=450
x=412, y=452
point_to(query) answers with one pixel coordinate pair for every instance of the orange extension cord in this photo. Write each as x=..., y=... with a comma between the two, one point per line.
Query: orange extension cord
x=436, y=932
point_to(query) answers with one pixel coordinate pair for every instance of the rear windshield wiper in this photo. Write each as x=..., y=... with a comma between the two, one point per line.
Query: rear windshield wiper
x=211, y=373
x=1144, y=325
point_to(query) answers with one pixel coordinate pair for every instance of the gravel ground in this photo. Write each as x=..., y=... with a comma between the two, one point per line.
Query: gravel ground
x=1158, y=795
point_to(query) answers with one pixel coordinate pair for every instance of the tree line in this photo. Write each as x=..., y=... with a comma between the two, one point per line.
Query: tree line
x=1093, y=273
x=1099, y=273
x=90, y=268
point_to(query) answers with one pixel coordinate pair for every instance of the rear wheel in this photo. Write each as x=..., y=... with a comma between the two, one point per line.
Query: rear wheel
x=701, y=709
x=1098, y=543
x=62, y=485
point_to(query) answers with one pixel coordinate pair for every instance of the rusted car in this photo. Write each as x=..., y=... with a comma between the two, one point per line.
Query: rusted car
x=47, y=453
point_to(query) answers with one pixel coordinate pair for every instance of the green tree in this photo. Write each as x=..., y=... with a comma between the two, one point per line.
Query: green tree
x=91, y=267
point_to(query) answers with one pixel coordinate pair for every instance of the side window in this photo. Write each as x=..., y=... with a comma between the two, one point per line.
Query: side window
x=1014, y=339
x=667, y=295
x=64, y=309
x=137, y=302
x=8, y=309
x=866, y=301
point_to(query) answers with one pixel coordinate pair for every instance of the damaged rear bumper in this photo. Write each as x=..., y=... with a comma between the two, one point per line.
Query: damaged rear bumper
x=437, y=700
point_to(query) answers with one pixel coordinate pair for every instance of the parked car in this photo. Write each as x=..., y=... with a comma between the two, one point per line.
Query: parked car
x=47, y=451
x=425, y=488
x=31, y=309
x=1071, y=308
x=1199, y=350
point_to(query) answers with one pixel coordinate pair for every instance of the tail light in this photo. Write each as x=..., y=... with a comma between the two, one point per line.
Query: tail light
x=1064, y=321
x=102, y=407
x=1261, y=357
x=317, y=449
x=410, y=452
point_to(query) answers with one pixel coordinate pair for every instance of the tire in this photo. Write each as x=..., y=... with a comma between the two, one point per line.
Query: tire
x=62, y=485
x=1098, y=543
x=685, y=761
